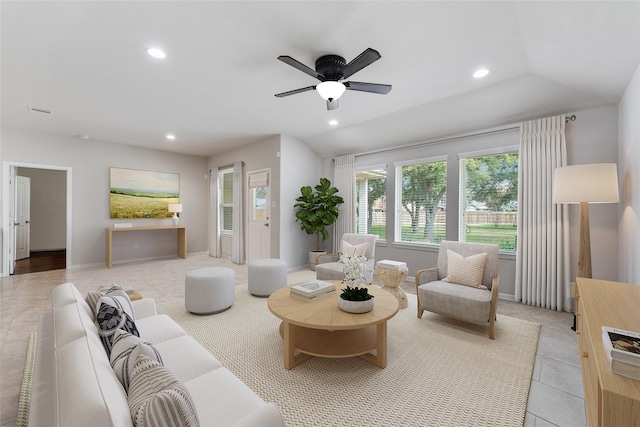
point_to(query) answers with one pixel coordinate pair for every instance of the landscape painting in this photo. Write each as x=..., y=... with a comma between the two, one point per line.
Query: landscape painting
x=142, y=194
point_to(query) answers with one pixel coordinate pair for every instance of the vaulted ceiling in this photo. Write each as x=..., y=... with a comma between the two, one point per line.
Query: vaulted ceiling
x=86, y=62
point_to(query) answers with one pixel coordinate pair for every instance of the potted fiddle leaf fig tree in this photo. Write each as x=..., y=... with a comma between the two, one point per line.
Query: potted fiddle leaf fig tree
x=318, y=210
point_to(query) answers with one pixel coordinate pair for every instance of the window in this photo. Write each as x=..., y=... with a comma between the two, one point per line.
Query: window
x=489, y=199
x=371, y=199
x=420, y=201
x=225, y=197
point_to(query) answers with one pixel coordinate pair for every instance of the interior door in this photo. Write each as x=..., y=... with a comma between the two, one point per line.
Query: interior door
x=23, y=211
x=259, y=236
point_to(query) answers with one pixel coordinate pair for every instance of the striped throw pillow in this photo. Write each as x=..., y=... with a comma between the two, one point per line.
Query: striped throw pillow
x=157, y=398
x=124, y=353
x=465, y=271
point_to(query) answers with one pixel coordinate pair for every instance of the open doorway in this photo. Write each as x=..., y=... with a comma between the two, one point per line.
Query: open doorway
x=39, y=240
x=41, y=231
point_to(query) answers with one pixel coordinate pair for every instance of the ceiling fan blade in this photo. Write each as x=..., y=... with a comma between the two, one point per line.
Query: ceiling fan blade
x=366, y=58
x=368, y=87
x=293, y=92
x=332, y=104
x=300, y=66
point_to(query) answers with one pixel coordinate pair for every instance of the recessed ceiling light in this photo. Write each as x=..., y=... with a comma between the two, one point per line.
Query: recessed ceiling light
x=333, y=122
x=84, y=137
x=480, y=73
x=171, y=137
x=156, y=53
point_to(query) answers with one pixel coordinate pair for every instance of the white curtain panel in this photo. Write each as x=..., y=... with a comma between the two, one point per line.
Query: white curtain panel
x=214, y=224
x=237, y=241
x=345, y=181
x=543, y=264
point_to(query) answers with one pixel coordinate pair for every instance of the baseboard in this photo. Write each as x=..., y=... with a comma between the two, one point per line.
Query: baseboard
x=507, y=297
x=39, y=251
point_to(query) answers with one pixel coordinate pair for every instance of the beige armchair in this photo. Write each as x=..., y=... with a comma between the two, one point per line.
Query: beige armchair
x=465, y=302
x=329, y=266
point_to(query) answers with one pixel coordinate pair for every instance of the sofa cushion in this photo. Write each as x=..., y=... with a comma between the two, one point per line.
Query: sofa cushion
x=465, y=271
x=125, y=351
x=113, y=313
x=234, y=399
x=160, y=328
x=158, y=398
x=186, y=358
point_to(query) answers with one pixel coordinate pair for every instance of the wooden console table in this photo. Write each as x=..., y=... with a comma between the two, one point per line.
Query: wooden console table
x=610, y=399
x=182, y=238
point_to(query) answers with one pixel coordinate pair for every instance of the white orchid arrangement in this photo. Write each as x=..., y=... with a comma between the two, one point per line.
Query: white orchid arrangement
x=354, y=268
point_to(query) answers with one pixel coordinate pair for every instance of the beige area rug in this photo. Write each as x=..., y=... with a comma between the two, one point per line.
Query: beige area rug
x=439, y=373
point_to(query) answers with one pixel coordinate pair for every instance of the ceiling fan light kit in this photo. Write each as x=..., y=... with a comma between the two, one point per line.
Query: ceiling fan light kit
x=331, y=70
x=330, y=90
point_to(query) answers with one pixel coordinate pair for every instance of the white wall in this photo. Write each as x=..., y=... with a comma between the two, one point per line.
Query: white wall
x=90, y=162
x=300, y=166
x=48, y=214
x=629, y=181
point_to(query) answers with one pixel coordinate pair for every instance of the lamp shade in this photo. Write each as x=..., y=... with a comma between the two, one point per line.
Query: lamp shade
x=330, y=90
x=176, y=207
x=592, y=183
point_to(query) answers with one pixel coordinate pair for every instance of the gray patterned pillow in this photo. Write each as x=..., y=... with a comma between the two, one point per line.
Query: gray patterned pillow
x=94, y=296
x=157, y=398
x=126, y=349
x=113, y=313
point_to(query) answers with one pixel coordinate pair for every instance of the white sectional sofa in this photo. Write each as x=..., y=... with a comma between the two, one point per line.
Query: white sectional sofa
x=74, y=384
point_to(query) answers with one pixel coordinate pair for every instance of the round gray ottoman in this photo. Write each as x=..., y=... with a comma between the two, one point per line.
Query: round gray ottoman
x=209, y=290
x=267, y=276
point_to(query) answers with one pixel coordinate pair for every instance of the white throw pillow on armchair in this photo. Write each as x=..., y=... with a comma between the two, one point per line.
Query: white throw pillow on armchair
x=353, y=250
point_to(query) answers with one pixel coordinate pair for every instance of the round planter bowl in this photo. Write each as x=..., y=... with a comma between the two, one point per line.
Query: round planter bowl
x=355, y=306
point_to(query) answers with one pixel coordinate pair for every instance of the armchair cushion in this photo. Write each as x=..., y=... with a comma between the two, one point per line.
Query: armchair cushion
x=465, y=271
x=463, y=302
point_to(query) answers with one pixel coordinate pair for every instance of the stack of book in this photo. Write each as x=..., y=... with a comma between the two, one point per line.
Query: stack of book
x=391, y=265
x=623, y=350
x=312, y=290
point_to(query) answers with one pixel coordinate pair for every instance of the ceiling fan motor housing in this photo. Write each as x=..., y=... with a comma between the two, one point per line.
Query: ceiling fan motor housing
x=330, y=66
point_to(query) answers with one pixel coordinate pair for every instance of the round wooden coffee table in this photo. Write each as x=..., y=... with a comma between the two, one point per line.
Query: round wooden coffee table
x=319, y=328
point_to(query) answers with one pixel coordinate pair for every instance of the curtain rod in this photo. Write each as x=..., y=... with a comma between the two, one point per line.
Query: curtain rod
x=226, y=166
x=453, y=138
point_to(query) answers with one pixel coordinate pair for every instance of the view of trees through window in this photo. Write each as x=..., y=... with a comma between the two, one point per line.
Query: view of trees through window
x=420, y=202
x=487, y=205
x=371, y=195
x=489, y=189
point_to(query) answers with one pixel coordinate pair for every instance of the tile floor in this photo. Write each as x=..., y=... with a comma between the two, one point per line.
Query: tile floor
x=555, y=399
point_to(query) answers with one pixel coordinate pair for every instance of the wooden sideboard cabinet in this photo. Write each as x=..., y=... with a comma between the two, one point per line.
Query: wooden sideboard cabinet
x=611, y=400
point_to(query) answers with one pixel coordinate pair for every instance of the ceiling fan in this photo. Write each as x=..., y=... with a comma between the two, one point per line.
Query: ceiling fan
x=331, y=70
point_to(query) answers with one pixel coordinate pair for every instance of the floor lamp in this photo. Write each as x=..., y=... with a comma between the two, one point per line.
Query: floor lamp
x=584, y=184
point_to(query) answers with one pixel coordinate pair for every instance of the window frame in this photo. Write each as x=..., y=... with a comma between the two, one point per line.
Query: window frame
x=462, y=181
x=221, y=204
x=357, y=197
x=398, y=208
